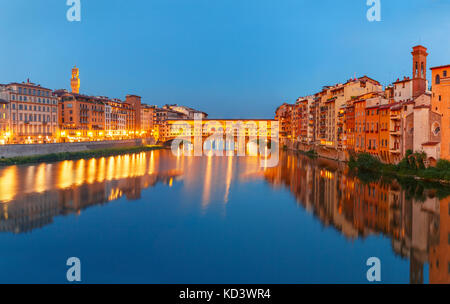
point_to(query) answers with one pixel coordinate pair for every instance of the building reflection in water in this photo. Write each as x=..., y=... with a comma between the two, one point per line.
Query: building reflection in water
x=32, y=195
x=416, y=219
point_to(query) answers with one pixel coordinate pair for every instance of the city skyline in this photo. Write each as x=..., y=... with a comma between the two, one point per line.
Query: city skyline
x=211, y=56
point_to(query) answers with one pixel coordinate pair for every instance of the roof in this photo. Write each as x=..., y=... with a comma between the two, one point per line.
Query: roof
x=440, y=67
x=422, y=107
x=407, y=79
x=29, y=84
x=386, y=106
x=430, y=143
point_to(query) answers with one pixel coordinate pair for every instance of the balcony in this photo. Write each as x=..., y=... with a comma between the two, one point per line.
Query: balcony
x=394, y=150
x=395, y=132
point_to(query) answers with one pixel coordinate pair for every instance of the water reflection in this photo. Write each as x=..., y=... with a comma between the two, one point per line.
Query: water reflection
x=416, y=218
x=32, y=195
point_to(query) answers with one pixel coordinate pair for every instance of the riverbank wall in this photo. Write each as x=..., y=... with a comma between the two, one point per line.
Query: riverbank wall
x=8, y=151
x=323, y=152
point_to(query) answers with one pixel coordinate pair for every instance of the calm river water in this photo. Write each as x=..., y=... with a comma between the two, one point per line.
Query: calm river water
x=157, y=218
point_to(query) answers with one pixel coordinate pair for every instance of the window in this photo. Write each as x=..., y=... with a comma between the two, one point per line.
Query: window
x=438, y=79
x=445, y=73
x=436, y=128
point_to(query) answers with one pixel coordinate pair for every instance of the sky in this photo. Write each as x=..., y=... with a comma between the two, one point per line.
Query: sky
x=229, y=58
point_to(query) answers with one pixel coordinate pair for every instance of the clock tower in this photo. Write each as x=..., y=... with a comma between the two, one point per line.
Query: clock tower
x=75, y=81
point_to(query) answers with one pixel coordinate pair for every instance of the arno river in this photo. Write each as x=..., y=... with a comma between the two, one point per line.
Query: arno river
x=157, y=218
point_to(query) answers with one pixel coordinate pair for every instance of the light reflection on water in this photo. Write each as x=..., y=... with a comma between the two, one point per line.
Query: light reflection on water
x=216, y=197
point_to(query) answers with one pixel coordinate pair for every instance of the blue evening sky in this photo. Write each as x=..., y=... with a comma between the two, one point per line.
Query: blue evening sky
x=230, y=58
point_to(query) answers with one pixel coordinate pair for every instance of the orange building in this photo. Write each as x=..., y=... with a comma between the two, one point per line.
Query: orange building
x=440, y=103
x=134, y=113
x=360, y=124
x=385, y=123
x=81, y=117
x=395, y=131
x=372, y=130
x=284, y=116
x=349, y=127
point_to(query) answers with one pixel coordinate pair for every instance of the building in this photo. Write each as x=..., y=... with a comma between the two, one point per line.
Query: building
x=284, y=116
x=187, y=111
x=31, y=112
x=5, y=133
x=440, y=103
x=384, y=134
x=147, y=119
x=403, y=89
x=75, y=80
x=116, y=119
x=81, y=117
x=359, y=116
x=134, y=114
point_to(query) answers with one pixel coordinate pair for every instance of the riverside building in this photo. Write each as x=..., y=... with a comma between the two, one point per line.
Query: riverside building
x=29, y=114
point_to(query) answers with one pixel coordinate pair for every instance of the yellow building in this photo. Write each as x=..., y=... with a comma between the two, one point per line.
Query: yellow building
x=440, y=103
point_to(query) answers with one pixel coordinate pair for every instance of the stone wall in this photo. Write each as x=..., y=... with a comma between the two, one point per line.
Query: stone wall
x=8, y=151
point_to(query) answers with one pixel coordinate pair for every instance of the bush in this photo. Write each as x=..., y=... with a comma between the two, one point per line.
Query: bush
x=365, y=162
x=443, y=165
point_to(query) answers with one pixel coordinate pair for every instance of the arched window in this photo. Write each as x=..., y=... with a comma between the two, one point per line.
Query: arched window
x=436, y=128
x=438, y=79
x=417, y=69
x=423, y=71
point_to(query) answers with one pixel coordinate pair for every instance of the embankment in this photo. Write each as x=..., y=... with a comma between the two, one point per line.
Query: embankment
x=10, y=151
x=323, y=152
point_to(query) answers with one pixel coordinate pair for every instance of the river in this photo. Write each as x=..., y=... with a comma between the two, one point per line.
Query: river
x=158, y=218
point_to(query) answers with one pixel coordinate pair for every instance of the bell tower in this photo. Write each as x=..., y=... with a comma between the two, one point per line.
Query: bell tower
x=419, y=54
x=75, y=81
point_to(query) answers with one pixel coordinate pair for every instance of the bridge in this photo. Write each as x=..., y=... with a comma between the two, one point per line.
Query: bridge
x=220, y=134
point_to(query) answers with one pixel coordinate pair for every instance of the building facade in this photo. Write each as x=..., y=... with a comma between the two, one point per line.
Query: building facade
x=29, y=113
x=359, y=116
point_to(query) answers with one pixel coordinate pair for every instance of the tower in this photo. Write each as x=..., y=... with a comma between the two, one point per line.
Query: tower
x=135, y=102
x=419, y=54
x=75, y=81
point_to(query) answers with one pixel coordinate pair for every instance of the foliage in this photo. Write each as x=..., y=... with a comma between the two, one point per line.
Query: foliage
x=365, y=162
x=412, y=165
